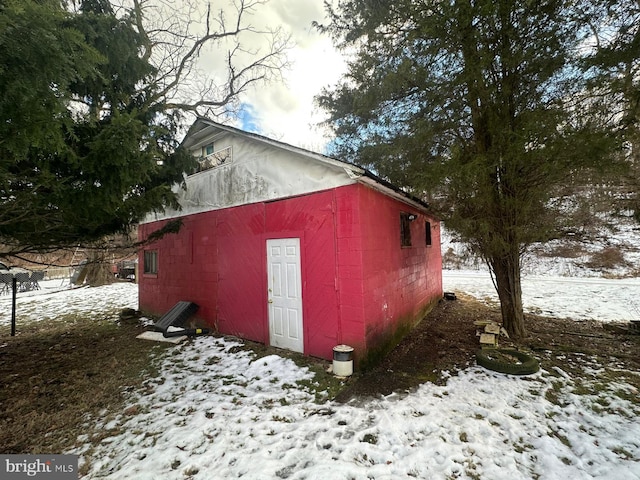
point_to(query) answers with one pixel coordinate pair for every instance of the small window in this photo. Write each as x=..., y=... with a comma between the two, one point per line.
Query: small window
x=405, y=229
x=207, y=150
x=151, y=262
x=427, y=233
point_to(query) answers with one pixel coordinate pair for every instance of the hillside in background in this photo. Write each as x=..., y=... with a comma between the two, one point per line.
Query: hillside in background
x=607, y=246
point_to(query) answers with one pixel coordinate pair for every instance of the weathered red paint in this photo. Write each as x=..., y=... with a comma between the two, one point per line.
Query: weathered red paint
x=358, y=284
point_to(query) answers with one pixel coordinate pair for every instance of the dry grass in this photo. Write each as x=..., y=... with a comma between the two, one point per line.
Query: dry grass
x=608, y=258
x=565, y=250
x=54, y=374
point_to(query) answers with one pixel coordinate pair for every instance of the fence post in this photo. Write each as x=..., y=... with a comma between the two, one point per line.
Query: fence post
x=14, y=282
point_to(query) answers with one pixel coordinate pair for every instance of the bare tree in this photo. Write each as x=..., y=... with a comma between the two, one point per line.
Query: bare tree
x=178, y=33
x=90, y=134
x=615, y=62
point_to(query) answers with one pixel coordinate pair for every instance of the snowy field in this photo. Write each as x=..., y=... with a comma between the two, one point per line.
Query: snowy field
x=578, y=298
x=216, y=414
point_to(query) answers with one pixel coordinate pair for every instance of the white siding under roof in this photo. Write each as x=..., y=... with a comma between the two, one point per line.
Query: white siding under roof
x=258, y=172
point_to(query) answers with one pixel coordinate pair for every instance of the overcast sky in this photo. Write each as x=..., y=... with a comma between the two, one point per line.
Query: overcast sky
x=286, y=111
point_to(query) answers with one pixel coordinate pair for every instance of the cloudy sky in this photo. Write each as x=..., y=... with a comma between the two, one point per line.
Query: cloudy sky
x=285, y=111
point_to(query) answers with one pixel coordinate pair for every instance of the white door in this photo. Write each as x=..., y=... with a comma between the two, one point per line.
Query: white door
x=285, y=294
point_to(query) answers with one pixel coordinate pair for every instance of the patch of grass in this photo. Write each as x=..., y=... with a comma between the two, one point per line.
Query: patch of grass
x=552, y=394
x=564, y=251
x=627, y=376
x=364, y=460
x=471, y=470
x=324, y=385
x=608, y=258
x=55, y=374
x=370, y=438
x=604, y=384
x=580, y=388
x=563, y=439
x=191, y=471
x=278, y=418
x=627, y=395
x=286, y=472
x=621, y=452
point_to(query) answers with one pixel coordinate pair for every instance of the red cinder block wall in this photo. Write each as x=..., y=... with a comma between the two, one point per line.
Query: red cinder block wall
x=241, y=279
x=218, y=260
x=311, y=218
x=350, y=276
x=399, y=283
x=359, y=286
x=187, y=266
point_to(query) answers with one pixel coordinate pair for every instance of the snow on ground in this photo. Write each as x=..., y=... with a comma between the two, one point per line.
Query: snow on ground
x=216, y=413
x=578, y=298
x=55, y=298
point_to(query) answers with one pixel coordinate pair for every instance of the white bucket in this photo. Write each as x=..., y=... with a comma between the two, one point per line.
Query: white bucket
x=343, y=360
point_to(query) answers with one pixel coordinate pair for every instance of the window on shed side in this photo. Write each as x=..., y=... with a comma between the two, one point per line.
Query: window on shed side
x=151, y=262
x=427, y=233
x=405, y=230
x=207, y=149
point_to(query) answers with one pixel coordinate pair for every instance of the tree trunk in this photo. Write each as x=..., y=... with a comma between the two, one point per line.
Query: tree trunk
x=98, y=269
x=507, y=280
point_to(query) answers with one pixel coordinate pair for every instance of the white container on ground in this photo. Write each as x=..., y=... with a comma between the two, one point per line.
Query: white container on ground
x=343, y=360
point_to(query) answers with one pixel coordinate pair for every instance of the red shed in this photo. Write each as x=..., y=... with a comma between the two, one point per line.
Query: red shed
x=292, y=249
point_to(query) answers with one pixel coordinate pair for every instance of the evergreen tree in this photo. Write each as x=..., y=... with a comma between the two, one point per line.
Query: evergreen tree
x=82, y=155
x=91, y=111
x=477, y=105
x=615, y=74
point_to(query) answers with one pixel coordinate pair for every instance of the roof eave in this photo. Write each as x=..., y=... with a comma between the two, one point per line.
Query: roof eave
x=356, y=172
x=391, y=190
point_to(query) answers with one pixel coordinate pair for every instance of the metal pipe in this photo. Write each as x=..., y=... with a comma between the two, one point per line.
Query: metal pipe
x=13, y=307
